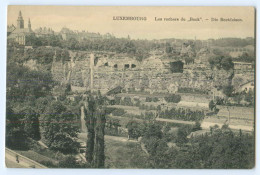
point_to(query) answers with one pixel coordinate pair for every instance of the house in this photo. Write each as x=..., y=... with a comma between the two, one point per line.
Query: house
x=198, y=133
x=246, y=87
x=43, y=31
x=68, y=34
x=243, y=66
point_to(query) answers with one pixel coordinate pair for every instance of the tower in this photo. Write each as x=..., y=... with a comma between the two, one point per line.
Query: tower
x=20, y=21
x=92, y=60
x=29, y=25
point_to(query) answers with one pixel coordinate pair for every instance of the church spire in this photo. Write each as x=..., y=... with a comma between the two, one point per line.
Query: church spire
x=29, y=25
x=20, y=21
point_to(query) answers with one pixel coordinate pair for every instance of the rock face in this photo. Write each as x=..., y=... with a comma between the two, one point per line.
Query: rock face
x=152, y=75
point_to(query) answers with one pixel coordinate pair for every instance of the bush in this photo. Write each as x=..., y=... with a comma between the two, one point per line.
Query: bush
x=228, y=90
x=149, y=115
x=148, y=99
x=221, y=62
x=49, y=164
x=182, y=114
x=155, y=99
x=192, y=90
x=16, y=136
x=138, y=103
x=71, y=162
x=117, y=100
x=118, y=112
x=173, y=98
x=127, y=102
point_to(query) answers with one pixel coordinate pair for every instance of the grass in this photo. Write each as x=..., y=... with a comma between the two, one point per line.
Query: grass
x=124, y=155
x=124, y=120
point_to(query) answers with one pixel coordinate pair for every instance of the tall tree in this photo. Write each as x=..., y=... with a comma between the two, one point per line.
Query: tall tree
x=31, y=122
x=95, y=121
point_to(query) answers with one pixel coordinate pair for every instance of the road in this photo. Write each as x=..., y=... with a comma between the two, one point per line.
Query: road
x=15, y=160
x=175, y=121
x=83, y=137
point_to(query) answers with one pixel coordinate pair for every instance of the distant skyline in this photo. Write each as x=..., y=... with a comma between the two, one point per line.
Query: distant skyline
x=99, y=19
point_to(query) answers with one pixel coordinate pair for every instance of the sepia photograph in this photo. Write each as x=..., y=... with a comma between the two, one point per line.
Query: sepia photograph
x=130, y=87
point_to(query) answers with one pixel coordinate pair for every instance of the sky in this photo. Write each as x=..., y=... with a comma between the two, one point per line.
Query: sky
x=100, y=19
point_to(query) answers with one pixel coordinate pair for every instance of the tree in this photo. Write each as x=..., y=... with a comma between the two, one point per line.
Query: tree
x=68, y=88
x=23, y=83
x=71, y=162
x=30, y=119
x=227, y=63
x=197, y=126
x=32, y=40
x=59, y=128
x=42, y=103
x=112, y=125
x=231, y=151
x=168, y=48
x=249, y=97
x=173, y=98
x=16, y=137
x=212, y=105
x=95, y=117
x=133, y=129
x=221, y=62
x=238, y=98
x=228, y=90
x=182, y=134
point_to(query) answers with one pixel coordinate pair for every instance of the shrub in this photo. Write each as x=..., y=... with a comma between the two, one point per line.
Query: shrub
x=118, y=112
x=49, y=164
x=173, y=98
x=127, y=101
x=228, y=90
x=71, y=162
x=117, y=100
x=182, y=114
x=149, y=99
x=155, y=99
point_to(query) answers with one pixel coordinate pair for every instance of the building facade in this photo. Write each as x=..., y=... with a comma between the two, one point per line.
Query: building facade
x=20, y=34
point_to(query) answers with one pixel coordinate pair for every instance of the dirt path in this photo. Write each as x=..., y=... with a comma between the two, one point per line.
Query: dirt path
x=175, y=121
x=83, y=137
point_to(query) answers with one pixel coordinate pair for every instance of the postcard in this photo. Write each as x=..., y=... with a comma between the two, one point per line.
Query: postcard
x=132, y=87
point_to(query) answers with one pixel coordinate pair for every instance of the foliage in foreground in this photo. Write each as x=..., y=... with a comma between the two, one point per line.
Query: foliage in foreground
x=60, y=131
x=222, y=148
